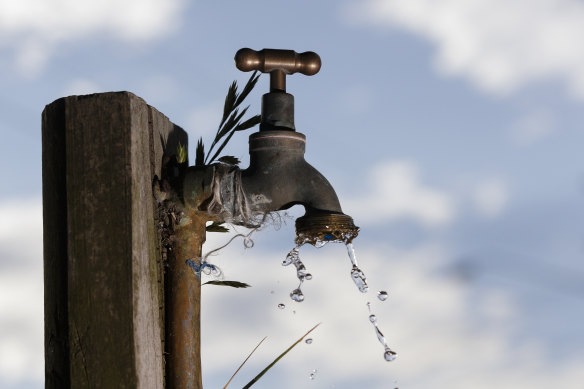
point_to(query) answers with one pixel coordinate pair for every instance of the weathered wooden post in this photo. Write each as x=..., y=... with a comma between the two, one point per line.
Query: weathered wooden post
x=104, y=284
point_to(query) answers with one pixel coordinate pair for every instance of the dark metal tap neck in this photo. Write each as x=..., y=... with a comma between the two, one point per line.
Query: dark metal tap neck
x=277, y=112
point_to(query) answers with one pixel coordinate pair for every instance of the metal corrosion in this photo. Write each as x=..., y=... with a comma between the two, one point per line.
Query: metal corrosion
x=183, y=305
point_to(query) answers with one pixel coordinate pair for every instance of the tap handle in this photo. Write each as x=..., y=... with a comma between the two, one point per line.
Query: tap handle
x=278, y=63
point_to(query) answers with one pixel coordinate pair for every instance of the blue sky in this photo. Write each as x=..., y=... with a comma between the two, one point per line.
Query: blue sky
x=451, y=131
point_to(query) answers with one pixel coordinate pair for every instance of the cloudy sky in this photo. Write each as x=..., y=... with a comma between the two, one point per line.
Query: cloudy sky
x=451, y=131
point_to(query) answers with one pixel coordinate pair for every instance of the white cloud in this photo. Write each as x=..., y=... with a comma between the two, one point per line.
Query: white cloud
x=491, y=196
x=34, y=27
x=395, y=192
x=21, y=291
x=500, y=45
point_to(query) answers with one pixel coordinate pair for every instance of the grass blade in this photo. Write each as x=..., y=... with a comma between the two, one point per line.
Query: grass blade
x=243, y=363
x=256, y=378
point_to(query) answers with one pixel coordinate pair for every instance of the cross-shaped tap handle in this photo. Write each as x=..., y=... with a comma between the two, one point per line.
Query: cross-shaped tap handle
x=278, y=63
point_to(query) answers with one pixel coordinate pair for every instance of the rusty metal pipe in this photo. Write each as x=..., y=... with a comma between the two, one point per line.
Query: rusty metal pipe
x=183, y=306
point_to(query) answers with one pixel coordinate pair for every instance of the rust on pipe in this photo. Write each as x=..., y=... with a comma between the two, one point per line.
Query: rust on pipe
x=183, y=320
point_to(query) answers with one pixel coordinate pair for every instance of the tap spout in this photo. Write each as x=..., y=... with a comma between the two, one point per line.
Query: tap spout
x=279, y=177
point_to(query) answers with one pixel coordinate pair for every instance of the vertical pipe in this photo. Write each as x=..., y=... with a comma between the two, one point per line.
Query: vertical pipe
x=183, y=361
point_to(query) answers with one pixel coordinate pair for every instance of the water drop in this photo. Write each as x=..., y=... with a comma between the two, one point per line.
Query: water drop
x=359, y=279
x=320, y=243
x=308, y=341
x=248, y=243
x=352, y=256
x=382, y=295
x=297, y=295
x=308, y=276
x=281, y=306
x=312, y=374
x=291, y=257
x=389, y=355
x=372, y=318
x=301, y=271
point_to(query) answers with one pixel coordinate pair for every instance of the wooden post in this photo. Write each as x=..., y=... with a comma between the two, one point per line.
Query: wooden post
x=104, y=293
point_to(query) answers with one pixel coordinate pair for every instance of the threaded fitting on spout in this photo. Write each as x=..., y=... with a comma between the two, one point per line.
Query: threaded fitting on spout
x=316, y=228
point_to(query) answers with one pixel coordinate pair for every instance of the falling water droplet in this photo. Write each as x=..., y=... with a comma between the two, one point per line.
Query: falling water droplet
x=297, y=295
x=382, y=295
x=248, y=243
x=281, y=306
x=312, y=374
x=357, y=274
x=291, y=257
x=308, y=341
x=302, y=274
x=389, y=355
x=359, y=279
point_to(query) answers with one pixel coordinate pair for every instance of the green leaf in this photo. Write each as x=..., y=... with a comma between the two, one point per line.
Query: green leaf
x=229, y=104
x=200, y=154
x=253, y=79
x=216, y=227
x=233, y=284
x=249, y=123
x=243, y=363
x=181, y=153
x=221, y=147
x=256, y=378
x=230, y=160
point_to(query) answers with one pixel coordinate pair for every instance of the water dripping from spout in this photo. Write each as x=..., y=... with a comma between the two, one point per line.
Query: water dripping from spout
x=388, y=354
x=293, y=257
x=357, y=274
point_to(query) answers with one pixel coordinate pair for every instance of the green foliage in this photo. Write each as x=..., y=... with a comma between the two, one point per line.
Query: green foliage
x=233, y=284
x=256, y=378
x=181, y=153
x=232, y=116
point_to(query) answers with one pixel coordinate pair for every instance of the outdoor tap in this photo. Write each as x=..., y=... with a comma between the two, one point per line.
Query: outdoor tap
x=278, y=176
